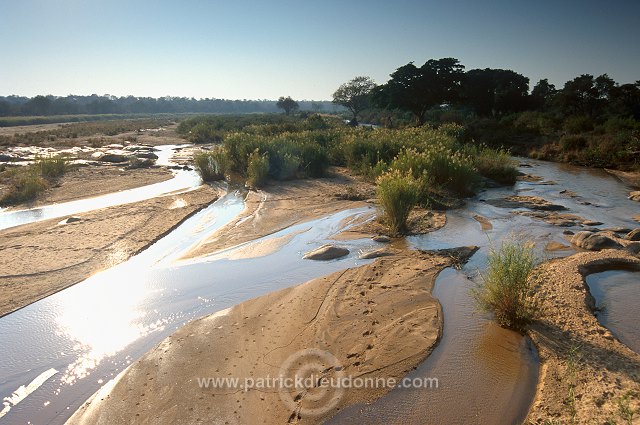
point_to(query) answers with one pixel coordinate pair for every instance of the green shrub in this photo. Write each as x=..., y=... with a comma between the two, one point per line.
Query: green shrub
x=398, y=194
x=441, y=166
x=211, y=165
x=26, y=185
x=578, y=124
x=51, y=167
x=257, y=169
x=495, y=164
x=507, y=285
x=572, y=142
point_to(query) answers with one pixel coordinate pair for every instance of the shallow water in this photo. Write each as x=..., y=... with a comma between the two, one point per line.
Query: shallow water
x=182, y=181
x=90, y=332
x=617, y=295
x=487, y=374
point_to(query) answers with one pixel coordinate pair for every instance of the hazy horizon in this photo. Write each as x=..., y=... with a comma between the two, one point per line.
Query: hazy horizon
x=263, y=50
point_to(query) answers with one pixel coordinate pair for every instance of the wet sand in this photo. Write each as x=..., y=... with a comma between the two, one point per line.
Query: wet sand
x=41, y=258
x=96, y=181
x=284, y=204
x=585, y=370
x=374, y=321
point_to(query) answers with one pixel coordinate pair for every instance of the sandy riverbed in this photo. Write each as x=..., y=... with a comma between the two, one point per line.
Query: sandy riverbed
x=375, y=321
x=284, y=204
x=41, y=258
x=585, y=371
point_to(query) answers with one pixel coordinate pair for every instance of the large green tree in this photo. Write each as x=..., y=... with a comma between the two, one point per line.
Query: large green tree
x=495, y=91
x=354, y=95
x=586, y=95
x=287, y=104
x=543, y=94
x=417, y=89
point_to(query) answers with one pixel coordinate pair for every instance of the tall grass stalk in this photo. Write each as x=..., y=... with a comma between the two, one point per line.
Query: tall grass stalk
x=398, y=193
x=257, y=169
x=507, y=285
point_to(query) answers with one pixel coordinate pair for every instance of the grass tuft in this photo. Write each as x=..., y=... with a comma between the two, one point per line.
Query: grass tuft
x=507, y=288
x=398, y=193
x=257, y=169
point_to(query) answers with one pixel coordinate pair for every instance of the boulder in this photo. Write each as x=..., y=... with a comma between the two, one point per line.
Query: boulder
x=633, y=235
x=326, y=252
x=146, y=155
x=556, y=246
x=591, y=223
x=71, y=219
x=529, y=202
x=381, y=239
x=635, y=196
x=593, y=241
x=114, y=157
x=382, y=252
x=633, y=248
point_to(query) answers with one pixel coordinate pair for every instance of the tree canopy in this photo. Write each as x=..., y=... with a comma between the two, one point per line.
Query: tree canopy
x=416, y=90
x=354, y=95
x=287, y=104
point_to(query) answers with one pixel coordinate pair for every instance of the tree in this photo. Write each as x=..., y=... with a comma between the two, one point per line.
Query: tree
x=495, y=91
x=287, y=104
x=585, y=95
x=542, y=94
x=417, y=90
x=354, y=95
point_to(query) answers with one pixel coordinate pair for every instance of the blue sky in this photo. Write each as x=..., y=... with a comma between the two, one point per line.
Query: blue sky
x=244, y=49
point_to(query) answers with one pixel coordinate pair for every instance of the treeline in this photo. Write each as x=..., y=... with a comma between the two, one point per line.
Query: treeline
x=492, y=92
x=98, y=105
x=590, y=120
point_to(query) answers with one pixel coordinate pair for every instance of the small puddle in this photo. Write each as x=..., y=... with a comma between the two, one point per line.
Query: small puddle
x=617, y=295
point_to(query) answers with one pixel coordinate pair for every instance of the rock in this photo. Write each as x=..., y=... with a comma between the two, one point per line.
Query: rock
x=382, y=252
x=636, y=218
x=114, y=157
x=635, y=196
x=591, y=223
x=71, y=219
x=633, y=248
x=146, y=155
x=326, y=252
x=568, y=232
x=633, y=235
x=5, y=157
x=381, y=239
x=556, y=246
x=593, y=241
x=97, y=155
x=114, y=146
x=617, y=229
x=529, y=202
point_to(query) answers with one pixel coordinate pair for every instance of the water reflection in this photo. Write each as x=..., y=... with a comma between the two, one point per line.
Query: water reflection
x=103, y=316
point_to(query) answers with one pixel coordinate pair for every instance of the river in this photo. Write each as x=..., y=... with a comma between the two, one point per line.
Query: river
x=60, y=350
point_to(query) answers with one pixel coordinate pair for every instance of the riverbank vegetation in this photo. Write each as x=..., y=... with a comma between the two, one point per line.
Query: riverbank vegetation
x=25, y=183
x=507, y=288
x=413, y=165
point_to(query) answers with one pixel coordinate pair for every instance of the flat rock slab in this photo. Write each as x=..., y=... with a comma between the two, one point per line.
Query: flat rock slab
x=382, y=252
x=326, y=253
x=633, y=235
x=529, y=202
x=594, y=241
